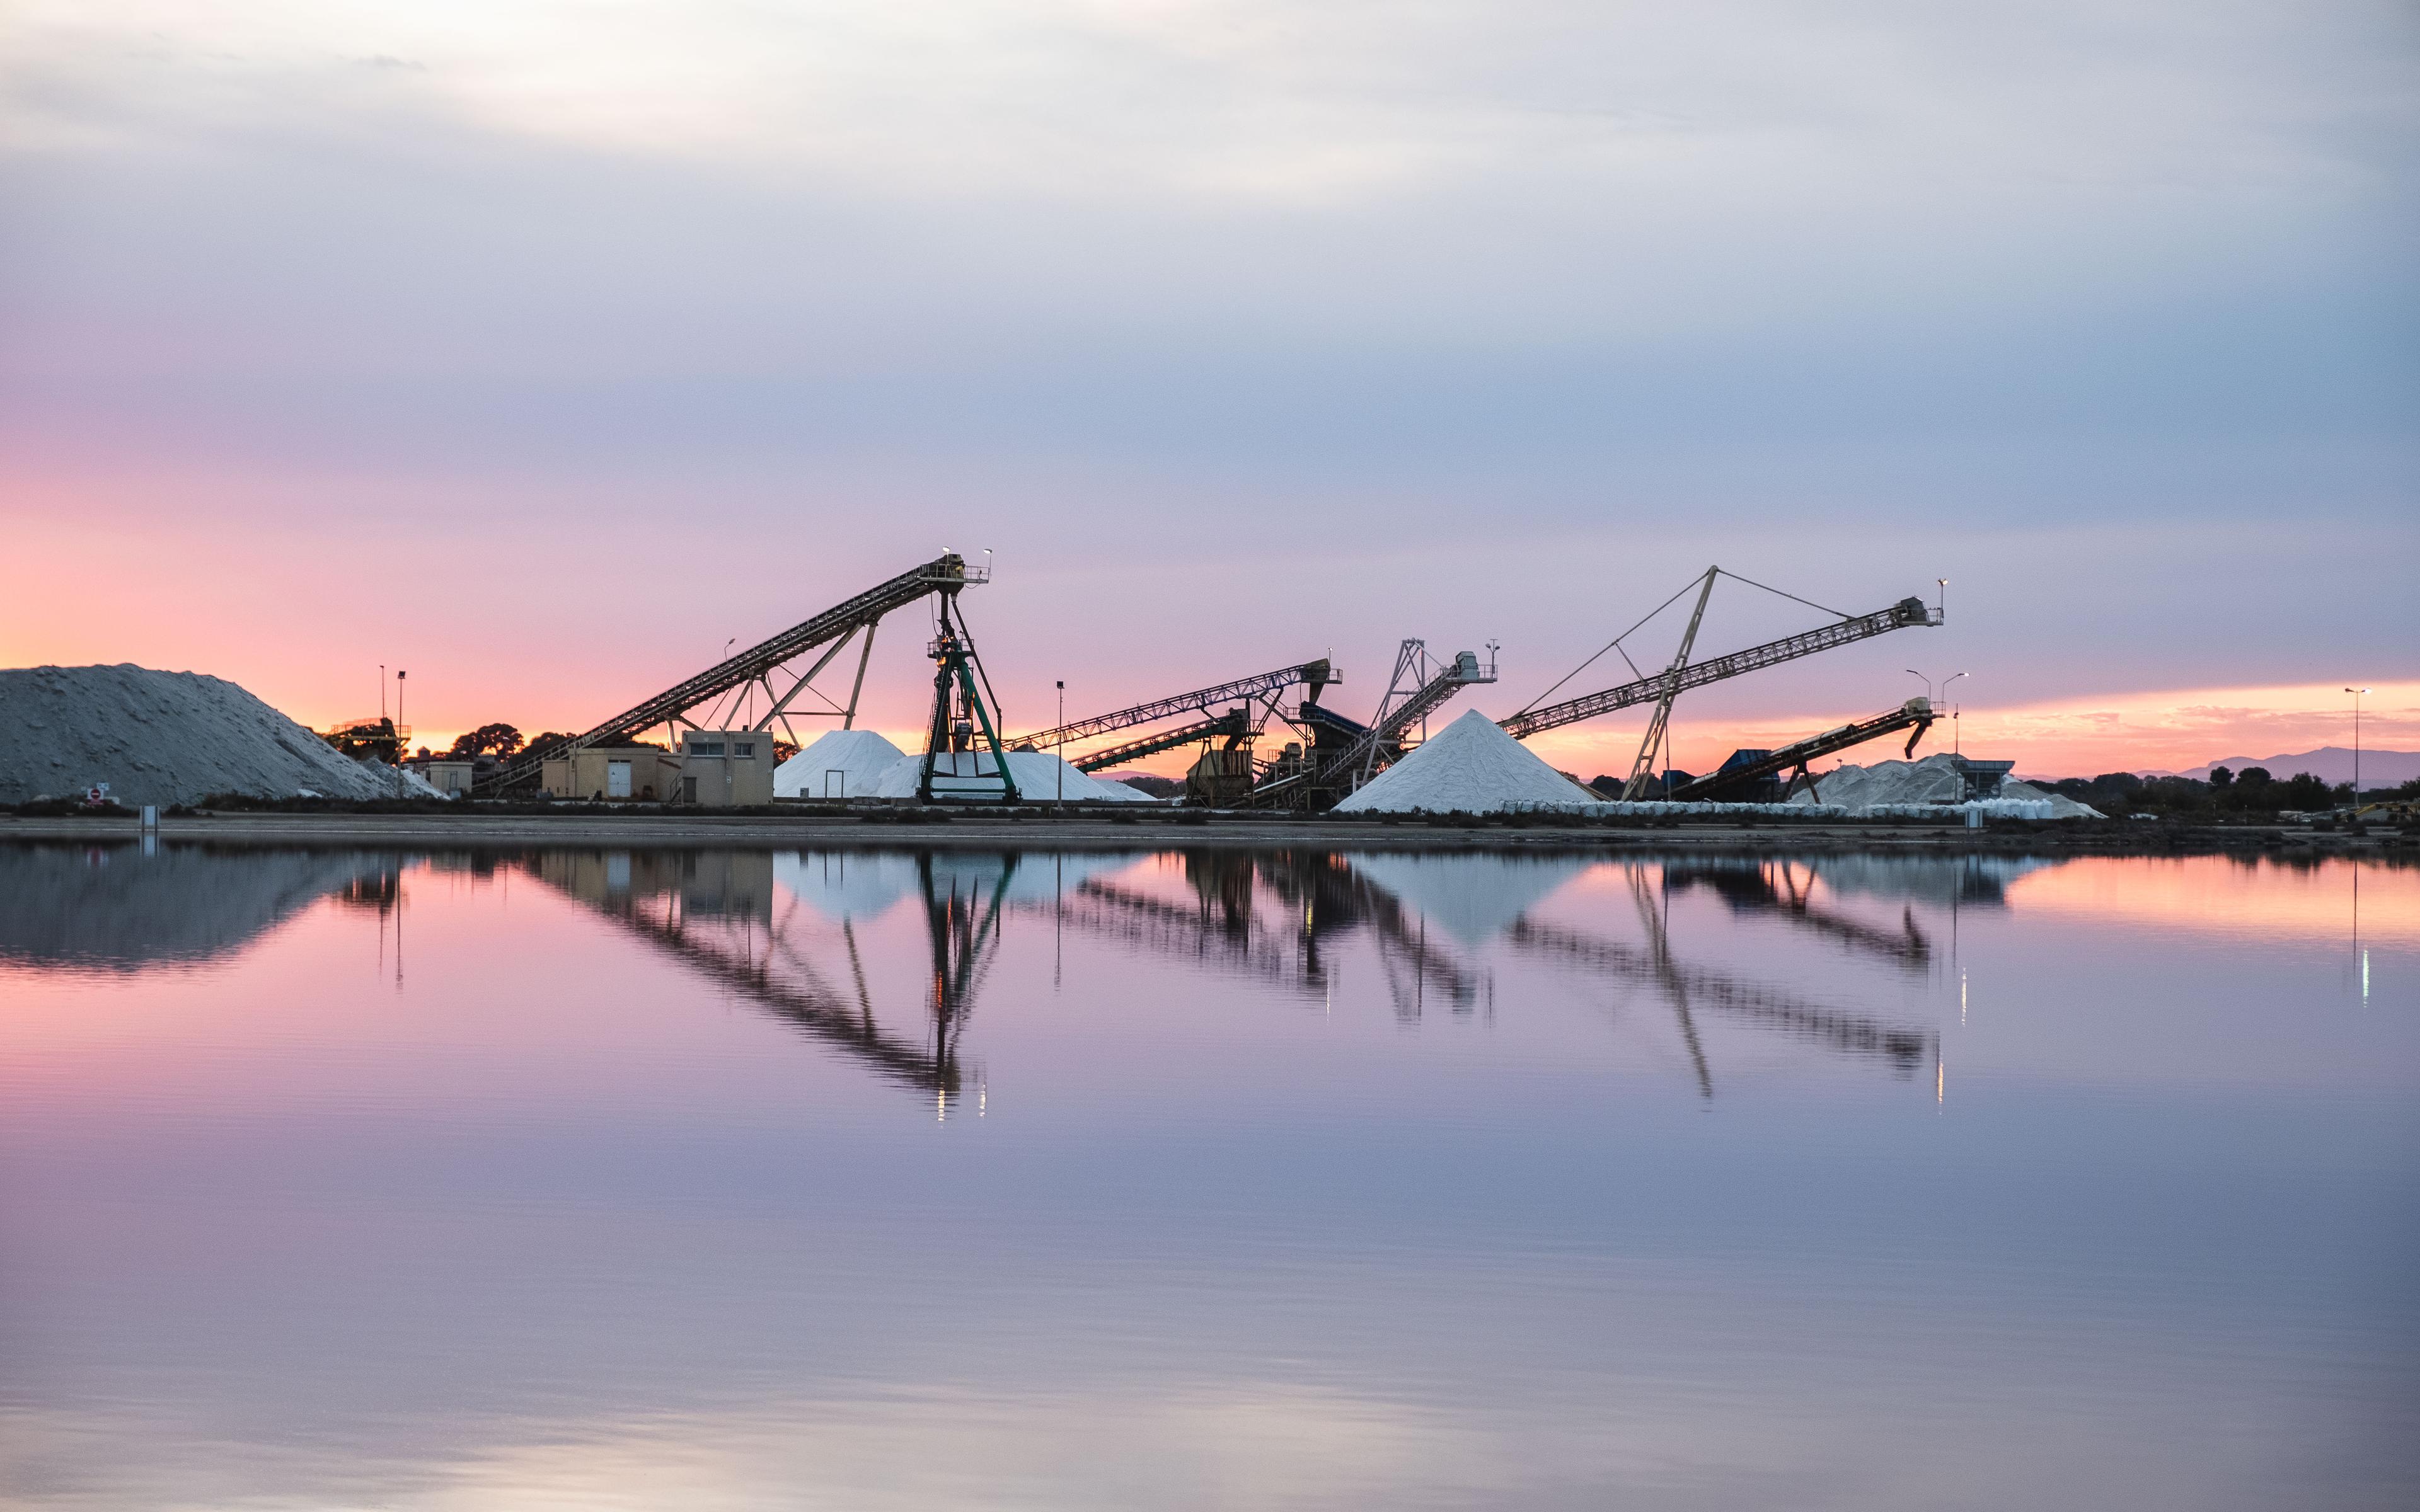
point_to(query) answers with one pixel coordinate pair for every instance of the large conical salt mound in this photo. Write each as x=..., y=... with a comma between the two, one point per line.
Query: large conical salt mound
x=1470, y=767
x=838, y=764
x=160, y=737
x=1041, y=777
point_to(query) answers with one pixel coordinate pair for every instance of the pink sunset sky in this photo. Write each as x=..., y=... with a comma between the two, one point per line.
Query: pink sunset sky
x=543, y=348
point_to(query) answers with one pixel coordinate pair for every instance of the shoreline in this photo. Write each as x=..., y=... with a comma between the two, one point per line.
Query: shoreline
x=975, y=831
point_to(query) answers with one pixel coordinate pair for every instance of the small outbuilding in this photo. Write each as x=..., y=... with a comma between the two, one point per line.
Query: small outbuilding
x=613, y=774
x=725, y=768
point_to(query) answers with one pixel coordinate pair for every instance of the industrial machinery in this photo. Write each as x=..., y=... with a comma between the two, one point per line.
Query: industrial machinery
x=756, y=667
x=1232, y=714
x=1664, y=686
x=1343, y=755
x=952, y=765
x=1747, y=769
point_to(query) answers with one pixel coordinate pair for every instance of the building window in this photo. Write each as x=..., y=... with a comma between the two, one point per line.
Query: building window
x=743, y=747
x=706, y=747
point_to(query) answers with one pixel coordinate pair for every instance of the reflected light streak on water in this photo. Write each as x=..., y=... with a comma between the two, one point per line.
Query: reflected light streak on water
x=1455, y=1181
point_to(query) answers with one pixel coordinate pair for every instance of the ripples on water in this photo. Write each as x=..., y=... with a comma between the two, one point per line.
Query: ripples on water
x=717, y=1179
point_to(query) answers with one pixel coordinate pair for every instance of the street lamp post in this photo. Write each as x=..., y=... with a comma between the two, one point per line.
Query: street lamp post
x=2356, y=693
x=1061, y=775
x=1928, y=683
x=399, y=675
x=1930, y=698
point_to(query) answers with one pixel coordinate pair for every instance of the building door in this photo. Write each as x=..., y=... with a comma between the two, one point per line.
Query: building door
x=617, y=780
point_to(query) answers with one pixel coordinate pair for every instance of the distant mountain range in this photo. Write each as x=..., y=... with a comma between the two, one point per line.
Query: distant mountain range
x=2329, y=763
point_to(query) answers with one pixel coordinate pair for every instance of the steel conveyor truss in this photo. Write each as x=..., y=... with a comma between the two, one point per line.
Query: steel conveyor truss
x=831, y=630
x=1230, y=710
x=1907, y=611
x=1418, y=689
x=1793, y=757
x=1231, y=726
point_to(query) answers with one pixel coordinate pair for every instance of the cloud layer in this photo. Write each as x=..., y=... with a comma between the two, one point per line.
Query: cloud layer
x=1334, y=325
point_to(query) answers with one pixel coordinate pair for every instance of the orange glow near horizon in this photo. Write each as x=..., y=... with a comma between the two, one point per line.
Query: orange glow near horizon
x=308, y=640
x=2221, y=896
x=2169, y=730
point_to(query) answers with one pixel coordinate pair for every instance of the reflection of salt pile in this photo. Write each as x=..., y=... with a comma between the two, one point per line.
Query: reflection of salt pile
x=1932, y=781
x=159, y=737
x=844, y=884
x=1941, y=880
x=1470, y=767
x=862, y=885
x=838, y=764
x=119, y=909
x=1041, y=777
x=1018, y=878
x=1473, y=897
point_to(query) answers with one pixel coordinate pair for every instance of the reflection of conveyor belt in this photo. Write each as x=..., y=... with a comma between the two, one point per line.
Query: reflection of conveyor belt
x=1395, y=934
x=1753, y=888
x=1225, y=934
x=1169, y=929
x=822, y=1015
x=1847, y=1032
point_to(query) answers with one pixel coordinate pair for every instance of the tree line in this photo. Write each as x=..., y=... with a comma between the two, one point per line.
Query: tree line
x=2253, y=791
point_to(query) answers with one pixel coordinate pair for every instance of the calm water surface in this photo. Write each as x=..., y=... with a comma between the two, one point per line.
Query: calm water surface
x=708, y=1179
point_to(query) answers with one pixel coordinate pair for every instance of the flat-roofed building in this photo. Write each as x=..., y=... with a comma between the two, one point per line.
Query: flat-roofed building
x=726, y=768
x=613, y=774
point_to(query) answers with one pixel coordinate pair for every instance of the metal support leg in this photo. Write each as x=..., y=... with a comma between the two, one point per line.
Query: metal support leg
x=849, y=720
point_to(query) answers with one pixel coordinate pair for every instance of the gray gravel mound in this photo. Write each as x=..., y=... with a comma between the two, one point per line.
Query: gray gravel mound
x=158, y=737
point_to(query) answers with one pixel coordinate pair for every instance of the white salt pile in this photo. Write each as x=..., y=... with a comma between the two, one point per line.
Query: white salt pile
x=159, y=737
x=1932, y=780
x=413, y=785
x=838, y=764
x=2061, y=806
x=1470, y=767
x=1987, y=808
x=1041, y=777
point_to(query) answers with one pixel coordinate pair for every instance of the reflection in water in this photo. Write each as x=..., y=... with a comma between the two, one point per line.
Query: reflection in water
x=1785, y=889
x=1273, y=918
x=1332, y=1179
x=713, y=912
x=125, y=907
